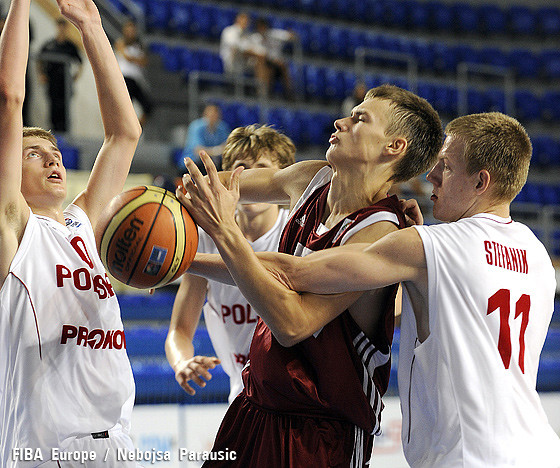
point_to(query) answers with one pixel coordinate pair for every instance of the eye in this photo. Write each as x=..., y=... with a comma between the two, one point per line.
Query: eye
x=32, y=155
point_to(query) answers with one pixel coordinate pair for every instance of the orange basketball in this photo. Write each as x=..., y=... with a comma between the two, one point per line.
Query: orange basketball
x=145, y=237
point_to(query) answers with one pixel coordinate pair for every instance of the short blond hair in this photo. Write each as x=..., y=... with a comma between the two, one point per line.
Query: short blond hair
x=39, y=133
x=499, y=144
x=254, y=141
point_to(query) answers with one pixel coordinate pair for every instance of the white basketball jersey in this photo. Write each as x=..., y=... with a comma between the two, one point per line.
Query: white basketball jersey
x=64, y=370
x=230, y=319
x=468, y=391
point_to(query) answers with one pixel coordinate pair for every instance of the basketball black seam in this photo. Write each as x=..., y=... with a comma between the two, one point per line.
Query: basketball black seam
x=146, y=240
x=110, y=241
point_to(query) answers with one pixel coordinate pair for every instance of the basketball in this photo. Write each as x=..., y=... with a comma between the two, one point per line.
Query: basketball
x=146, y=238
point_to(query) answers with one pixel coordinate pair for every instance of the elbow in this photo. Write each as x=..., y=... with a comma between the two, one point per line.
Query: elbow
x=286, y=339
x=11, y=98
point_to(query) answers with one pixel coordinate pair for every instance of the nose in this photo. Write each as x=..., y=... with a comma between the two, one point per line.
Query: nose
x=340, y=125
x=433, y=176
x=52, y=160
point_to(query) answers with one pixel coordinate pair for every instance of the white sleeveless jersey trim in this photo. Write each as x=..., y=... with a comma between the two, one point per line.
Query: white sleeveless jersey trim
x=480, y=413
x=229, y=318
x=322, y=177
x=372, y=219
x=64, y=371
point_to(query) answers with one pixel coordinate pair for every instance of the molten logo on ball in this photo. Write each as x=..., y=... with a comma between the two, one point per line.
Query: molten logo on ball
x=146, y=238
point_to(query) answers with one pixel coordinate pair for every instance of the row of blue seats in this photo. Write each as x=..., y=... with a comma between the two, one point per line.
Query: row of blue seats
x=328, y=83
x=460, y=17
x=155, y=380
x=539, y=193
x=330, y=40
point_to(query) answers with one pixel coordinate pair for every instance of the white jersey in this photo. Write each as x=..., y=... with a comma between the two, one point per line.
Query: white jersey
x=468, y=392
x=64, y=370
x=230, y=319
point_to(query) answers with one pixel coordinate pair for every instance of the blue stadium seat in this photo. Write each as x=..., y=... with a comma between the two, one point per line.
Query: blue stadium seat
x=315, y=81
x=374, y=12
x=522, y=20
x=334, y=84
x=465, y=17
x=527, y=105
x=419, y=15
x=143, y=307
x=355, y=39
x=476, y=101
x=546, y=151
x=493, y=56
x=532, y=193
x=445, y=99
x=550, y=63
x=180, y=16
x=247, y=115
x=171, y=58
x=548, y=377
x=230, y=111
x=445, y=59
x=70, y=153
x=425, y=54
x=493, y=19
x=548, y=19
x=496, y=100
x=158, y=15
x=550, y=102
x=319, y=39
x=337, y=40
x=442, y=16
x=524, y=62
x=426, y=90
x=550, y=194
x=202, y=21
x=321, y=128
x=395, y=13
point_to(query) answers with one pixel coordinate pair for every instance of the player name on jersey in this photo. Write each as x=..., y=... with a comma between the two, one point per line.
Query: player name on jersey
x=509, y=258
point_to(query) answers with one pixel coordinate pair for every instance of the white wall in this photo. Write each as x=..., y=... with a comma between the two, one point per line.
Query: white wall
x=168, y=429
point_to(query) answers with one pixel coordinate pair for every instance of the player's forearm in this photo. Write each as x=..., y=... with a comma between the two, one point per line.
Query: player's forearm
x=14, y=48
x=117, y=111
x=278, y=306
x=212, y=267
x=178, y=347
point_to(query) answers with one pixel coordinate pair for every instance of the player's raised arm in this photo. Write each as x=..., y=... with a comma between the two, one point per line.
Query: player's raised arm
x=272, y=185
x=14, y=212
x=121, y=126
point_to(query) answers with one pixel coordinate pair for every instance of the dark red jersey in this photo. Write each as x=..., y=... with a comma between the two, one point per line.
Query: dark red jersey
x=337, y=373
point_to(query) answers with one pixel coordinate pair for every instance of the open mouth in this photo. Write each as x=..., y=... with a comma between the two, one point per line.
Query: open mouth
x=55, y=176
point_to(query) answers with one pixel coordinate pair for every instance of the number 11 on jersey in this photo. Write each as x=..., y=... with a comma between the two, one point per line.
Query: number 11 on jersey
x=501, y=300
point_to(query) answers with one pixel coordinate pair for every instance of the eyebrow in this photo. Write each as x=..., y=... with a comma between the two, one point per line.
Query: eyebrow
x=40, y=148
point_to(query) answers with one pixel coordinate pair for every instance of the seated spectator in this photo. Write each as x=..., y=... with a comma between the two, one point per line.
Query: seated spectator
x=270, y=42
x=238, y=54
x=132, y=60
x=208, y=133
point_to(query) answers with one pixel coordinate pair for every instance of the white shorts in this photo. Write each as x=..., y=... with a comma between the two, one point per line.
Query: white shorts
x=102, y=450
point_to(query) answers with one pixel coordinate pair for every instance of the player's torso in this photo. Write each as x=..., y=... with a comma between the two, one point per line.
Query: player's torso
x=63, y=340
x=332, y=372
x=491, y=290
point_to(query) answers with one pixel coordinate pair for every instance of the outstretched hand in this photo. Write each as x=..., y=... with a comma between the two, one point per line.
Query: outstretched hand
x=208, y=201
x=195, y=369
x=79, y=12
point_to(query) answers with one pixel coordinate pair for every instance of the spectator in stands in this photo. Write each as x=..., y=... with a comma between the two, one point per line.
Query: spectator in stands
x=238, y=55
x=55, y=70
x=132, y=59
x=229, y=318
x=208, y=133
x=270, y=43
x=351, y=101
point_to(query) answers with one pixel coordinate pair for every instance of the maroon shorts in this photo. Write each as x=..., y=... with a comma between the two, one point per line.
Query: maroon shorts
x=266, y=439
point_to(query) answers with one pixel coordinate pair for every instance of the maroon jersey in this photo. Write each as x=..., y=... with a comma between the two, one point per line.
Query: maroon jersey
x=337, y=373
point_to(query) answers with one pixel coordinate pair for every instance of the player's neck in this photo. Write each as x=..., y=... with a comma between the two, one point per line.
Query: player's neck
x=348, y=194
x=54, y=213
x=254, y=227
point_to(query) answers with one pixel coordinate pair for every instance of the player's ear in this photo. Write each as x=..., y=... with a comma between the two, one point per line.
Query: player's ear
x=482, y=181
x=397, y=146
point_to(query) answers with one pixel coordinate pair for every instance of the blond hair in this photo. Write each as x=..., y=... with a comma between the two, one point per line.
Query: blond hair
x=498, y=143
x=413, y=118
x=39, y=133
x=254, y=141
